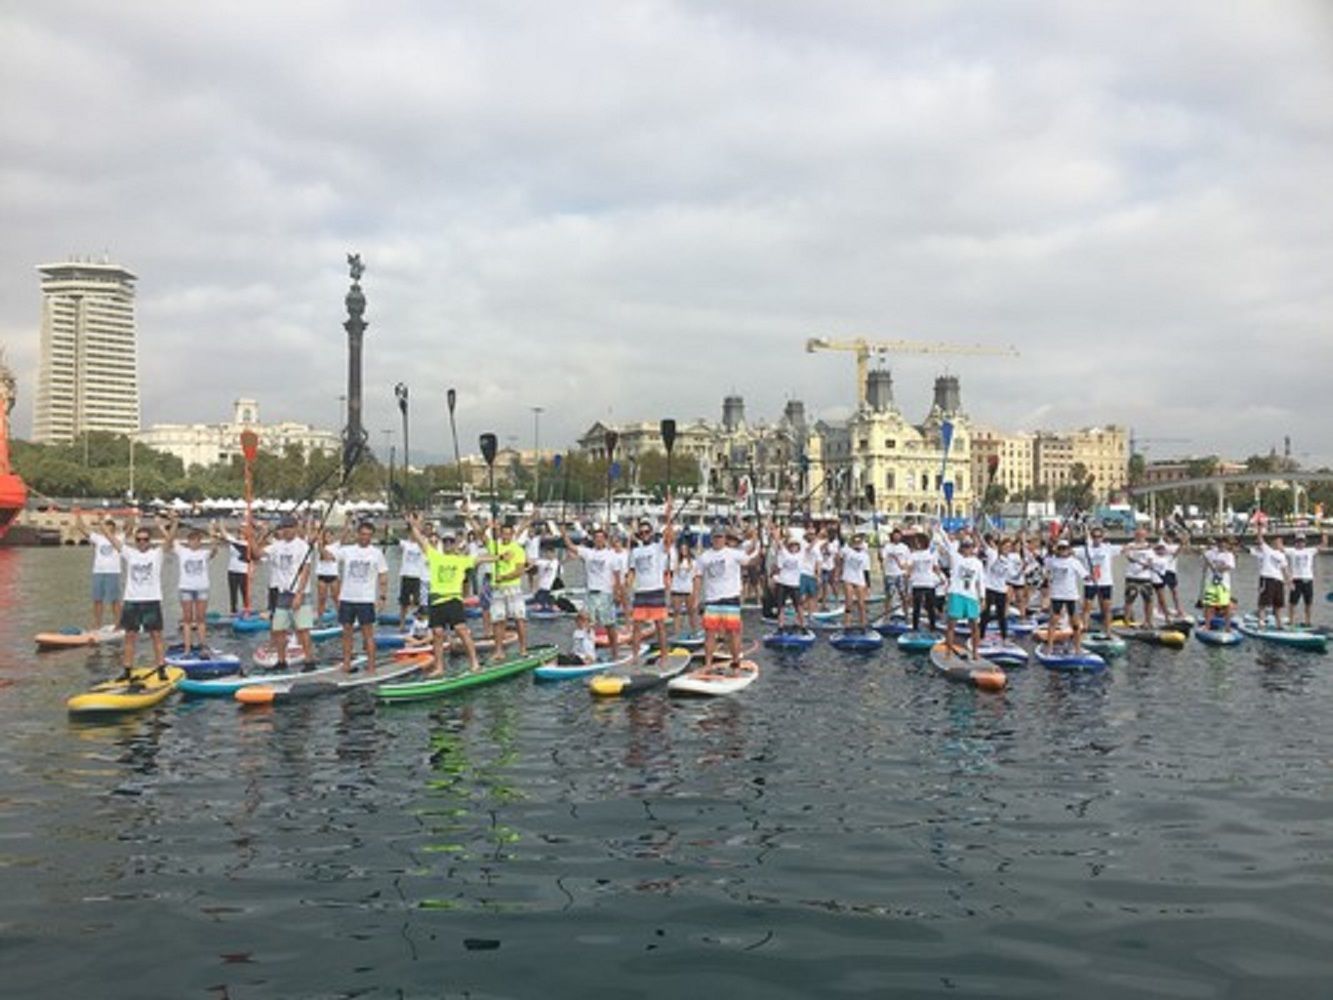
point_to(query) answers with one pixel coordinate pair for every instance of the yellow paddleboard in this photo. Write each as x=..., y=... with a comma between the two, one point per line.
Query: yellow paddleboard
x=144, y=689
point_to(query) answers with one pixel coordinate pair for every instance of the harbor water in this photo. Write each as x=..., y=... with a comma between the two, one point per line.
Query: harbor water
x=849, y=825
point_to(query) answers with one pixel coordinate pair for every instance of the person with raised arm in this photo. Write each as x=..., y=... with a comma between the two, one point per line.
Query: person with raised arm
x=364, y=574
x=719, y=585
x=192, y=558
x=448, y=570
x=1098, y=558
x=854, y=577
x=1300, y=567
x=1138, y=576
x=141, y=604
x=290, y=569
x=682, y=586
x=1274, y=574
x=508, y=602
x=965, y=593
x=1066, y=576
x=106, y=567
x=646, y=581
x=1218, y=564
x=786, y=579
x=601, y=571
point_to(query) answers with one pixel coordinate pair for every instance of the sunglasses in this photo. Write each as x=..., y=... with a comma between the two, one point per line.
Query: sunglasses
x=142, y=538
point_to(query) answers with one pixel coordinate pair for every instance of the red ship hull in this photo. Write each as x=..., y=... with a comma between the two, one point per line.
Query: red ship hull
x=13, y=495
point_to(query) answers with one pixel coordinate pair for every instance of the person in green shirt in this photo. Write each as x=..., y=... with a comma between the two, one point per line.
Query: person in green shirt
x=448, y=570
x=508, y=602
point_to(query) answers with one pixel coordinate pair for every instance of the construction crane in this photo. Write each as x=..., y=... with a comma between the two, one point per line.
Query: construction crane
x=1135, y=442
x=864, y=348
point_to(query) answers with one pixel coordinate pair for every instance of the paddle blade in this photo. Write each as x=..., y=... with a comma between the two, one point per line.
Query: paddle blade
x=400, y=390
x=488, y=444
x=992, y=463
x=611, y=439
x=948, y=491
x=614, y=471
x=668, y=433
x=451, y=397
x=249, y=445
x=946, y=434
x=558, y=461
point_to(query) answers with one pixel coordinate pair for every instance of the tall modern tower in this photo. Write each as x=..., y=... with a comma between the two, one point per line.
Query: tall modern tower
x=88, y=379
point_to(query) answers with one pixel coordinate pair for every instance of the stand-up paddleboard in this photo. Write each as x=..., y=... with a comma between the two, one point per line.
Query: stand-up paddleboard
x=340, y=683
x=790, y=638
x=555, y=671
x=1152, y=636
x=962, y=668
x=894, y=625
x=645, y=677
x=687, y=640
x=917, y=642
x=144, y=689
x=1104, y=644
x=203, y=662
x=267, y=656
x=246, y=624
x=225, y=687
x=1008, y=654
x=1021, y=626
x=435, y=687
x=1042, y=633
x=77, y=638
x=1218, y=636
x=719, y=679
x=1066, y=659
x=602, y=638
x=1295, y=638
x=854, y=640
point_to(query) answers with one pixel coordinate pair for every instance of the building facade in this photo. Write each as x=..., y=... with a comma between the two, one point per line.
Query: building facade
x=88, y=372
x=1011, y=455
x=208, y=444
x=1103, y=452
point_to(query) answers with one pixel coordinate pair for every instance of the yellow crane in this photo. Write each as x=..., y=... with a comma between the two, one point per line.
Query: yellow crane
x=864, y=348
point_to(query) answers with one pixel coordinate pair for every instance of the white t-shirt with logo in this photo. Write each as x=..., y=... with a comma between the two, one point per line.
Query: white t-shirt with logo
x=925, y=565
x=1138, y=564
x=893, y=555
x=328, y=567
x=721, y=572
x=1066, y=575
x=1001, y=570
x=143, y=573
x=413, y=566
x=649, y=562
x=810, y=558
x=193, y=567
x=1218, y=565
x=105, y=557
x=1272, y=562
x=285, y=559
x=547, y=570
x=599, y=567
x=682, y=575
x=236, y=562
x=966, y=577
x=1301, y=562
x=360, y=567
x=789, y=568
x=855, y=565
x=1099, y=560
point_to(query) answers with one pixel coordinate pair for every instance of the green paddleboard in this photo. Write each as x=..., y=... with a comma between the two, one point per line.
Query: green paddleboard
x=434, y=687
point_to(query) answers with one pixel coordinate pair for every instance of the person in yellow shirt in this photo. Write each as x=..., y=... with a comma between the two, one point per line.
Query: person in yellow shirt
x=508, y=602
x=448, y=569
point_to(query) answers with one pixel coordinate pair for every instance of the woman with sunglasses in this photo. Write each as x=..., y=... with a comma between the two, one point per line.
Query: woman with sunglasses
x=141, y=605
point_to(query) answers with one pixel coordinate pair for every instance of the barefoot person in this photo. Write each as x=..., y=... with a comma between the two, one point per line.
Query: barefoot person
x=364, y=573
x=1067, y=576
x=192, y=558
x=683, y=607
x=141, y=606
x=106, y=567
x=1098, y=558
x=290, y=569
x=601, y=570
x=719, y=585
x=965, y=592
x=508, y=602
x=854, y=577
x=1274, y=574
x=1138, y=577
x=448, y=570
x=1300, y=564
x=786, y=577
x=1218, y=564
x=647, y=582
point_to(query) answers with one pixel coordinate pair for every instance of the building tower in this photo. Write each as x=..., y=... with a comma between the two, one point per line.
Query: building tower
x=879, y=390
x=88, y=375
x=733, y=413
x=948, y=397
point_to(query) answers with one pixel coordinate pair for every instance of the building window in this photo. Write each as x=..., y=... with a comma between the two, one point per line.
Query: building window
x=888, y=481
x=890, y=443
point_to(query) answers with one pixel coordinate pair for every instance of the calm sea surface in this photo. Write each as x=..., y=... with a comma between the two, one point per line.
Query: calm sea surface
x=847, y=826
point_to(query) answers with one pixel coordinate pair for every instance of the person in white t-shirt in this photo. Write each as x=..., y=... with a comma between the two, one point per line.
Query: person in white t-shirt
x=106, y=566
x=1138, y=576
x=854, y=575
x=718, y=588
x=923, y=575
x=683, y=607
x=895, y=558
x=545, y=571
x=647, y=562
x=1002, y=566
x=601, y=571
x=238, y=570
x=828, y=562
x=326, y=573
x=965, y=591
x=290, y=570
x=411, y=571
x=192, y=558
x=1300, y=564
x=786, y=577
x=1274, y=575
x=1171, y=576
x=812, y=558
x=1098, y=558
x=141, y=604
x=365, y=584
x=1066, y=576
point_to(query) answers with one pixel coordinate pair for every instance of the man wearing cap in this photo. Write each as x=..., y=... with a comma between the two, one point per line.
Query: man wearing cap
x=1274, y=574
x=786, y=578
x=448, y=570
x=1066, y=575
x=719, y=583
x=854, y=562
x=1300, y=563
x=1218, y=564
x=1098, y=556
x=646, y=580
x=289, y=575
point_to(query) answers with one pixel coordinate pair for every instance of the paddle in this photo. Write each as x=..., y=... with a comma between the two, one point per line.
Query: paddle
x=452, y=398
x=992, y=465
x=946, y=439
x=400, y=391
x=610, y=440
x=488, y=445
x=668, y=428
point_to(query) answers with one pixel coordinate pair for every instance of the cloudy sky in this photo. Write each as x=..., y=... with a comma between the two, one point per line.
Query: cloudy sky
x=628, y=209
